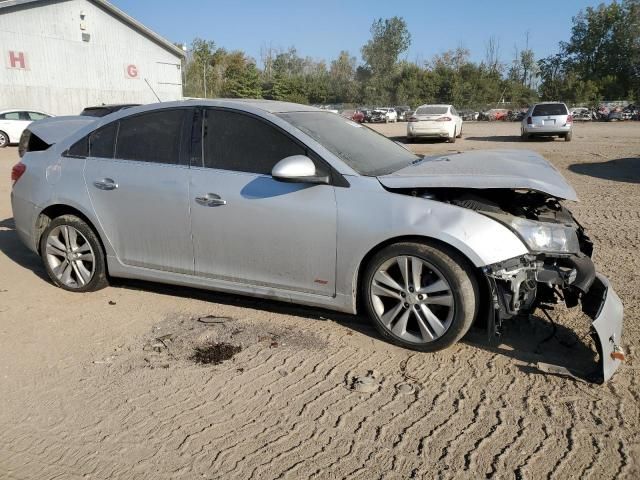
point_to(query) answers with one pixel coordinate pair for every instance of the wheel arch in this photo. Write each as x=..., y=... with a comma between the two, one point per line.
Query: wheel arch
x=57, y=210
x=357, y=284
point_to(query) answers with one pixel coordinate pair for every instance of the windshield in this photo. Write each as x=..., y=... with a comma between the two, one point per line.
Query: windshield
x=364, y=150
x=431, y=110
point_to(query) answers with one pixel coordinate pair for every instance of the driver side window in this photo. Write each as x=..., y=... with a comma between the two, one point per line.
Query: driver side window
x=239, y=142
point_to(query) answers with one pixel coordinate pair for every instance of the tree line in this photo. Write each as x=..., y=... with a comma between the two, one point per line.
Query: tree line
x=601, y=60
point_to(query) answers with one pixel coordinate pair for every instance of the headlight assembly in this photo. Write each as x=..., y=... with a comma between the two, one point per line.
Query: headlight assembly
x=542, y=236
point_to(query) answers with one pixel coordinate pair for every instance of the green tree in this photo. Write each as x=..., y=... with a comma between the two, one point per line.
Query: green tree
x=389, y=38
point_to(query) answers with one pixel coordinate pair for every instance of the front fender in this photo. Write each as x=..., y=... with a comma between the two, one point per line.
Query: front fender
x=369, y=216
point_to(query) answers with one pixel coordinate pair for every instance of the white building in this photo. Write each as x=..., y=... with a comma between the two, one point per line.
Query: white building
x=59, y=56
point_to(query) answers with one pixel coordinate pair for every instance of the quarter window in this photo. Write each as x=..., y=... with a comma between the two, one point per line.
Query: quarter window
x=37, y=116
x=242, y=143
x=151, y=137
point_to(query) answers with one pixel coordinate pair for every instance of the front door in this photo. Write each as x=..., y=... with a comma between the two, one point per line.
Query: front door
x=138, y=180
x=249, y=228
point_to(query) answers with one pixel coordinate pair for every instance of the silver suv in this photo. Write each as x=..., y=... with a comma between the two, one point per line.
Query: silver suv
x=547, y=120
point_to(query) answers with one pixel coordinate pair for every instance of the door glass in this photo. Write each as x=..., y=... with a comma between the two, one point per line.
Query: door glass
x=151, y=137
x=242, y=143
x=101, y=141
x=10, y=116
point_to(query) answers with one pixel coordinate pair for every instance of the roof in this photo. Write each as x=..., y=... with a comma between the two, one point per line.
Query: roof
x=271, y=106
x=116, y=12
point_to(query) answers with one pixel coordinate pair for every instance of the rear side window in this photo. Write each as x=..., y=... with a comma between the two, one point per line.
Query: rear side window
x=549, y=109
x=242, y=143
x=37, y=116
x=151, y=137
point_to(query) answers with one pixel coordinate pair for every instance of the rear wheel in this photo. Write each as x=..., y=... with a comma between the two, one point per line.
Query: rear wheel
x=567, y=136
x=4, y=139
x=419, y=296
x=524, y=136
x=453, y=138
x=73, y=256
x=460, y=134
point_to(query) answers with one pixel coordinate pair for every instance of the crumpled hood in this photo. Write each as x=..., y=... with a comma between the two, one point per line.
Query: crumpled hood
x=512, y=169
x=52, y=130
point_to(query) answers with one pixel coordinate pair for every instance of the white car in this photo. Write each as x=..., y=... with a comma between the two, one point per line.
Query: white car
x=436, y=121
x=390, y=114
x=13, y=122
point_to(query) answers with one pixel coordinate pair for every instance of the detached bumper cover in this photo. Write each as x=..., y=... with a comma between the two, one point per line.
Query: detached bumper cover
x=603, y=305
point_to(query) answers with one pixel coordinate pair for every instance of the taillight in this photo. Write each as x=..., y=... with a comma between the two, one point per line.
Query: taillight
x=570, y=119
x=444, y=119
x=413, y=119
x=17, y=171
x=529, y=121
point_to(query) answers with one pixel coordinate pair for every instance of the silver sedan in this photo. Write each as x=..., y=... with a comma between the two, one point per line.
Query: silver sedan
x=293, y=203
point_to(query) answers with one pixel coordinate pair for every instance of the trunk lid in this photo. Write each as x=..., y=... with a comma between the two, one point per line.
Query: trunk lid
x=483, y=169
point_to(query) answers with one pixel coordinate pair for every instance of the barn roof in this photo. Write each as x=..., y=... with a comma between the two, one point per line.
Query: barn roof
x=116, y=12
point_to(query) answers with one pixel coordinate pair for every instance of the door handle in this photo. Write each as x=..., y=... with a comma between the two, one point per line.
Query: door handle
x=210, y=200
x=105, y=184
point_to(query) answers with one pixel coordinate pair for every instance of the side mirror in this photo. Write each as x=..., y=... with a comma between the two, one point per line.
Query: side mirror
x=297, y=169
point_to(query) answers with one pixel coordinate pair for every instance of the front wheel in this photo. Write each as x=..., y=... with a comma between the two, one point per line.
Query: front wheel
x=420, y=296
x=73, y=256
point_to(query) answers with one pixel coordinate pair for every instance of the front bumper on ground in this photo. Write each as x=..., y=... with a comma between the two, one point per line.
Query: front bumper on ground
x=604, y=307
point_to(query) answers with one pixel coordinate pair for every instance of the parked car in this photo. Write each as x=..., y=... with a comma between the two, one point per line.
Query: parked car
x=547, y=119
x=389, y=114
x=378, y=115
x=403, y=113
x=581, y=114
x=102, y=110
x=358, y=116
x=469, y=115
x=615, y=116
x=14, y=121
x=290, y=202
x=439, y=121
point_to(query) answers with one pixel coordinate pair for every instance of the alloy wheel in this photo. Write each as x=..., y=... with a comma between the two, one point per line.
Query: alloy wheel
x=70, y=256
x=412, y=299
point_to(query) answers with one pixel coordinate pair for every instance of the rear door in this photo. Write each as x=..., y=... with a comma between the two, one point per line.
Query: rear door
x=249, y=228
x=549, y=115
x=137, y=175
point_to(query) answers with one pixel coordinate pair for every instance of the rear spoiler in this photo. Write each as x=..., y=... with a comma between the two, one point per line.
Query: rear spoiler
x=42, y=134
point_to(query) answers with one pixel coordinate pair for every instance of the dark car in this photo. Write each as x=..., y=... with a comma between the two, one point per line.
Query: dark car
x=102, y=110
x=404, y=112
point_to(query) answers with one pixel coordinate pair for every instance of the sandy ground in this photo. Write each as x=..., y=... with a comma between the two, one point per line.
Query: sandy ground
x=103, y=385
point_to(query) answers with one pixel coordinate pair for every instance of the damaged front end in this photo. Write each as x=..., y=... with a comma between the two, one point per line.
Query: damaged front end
x=558, y=267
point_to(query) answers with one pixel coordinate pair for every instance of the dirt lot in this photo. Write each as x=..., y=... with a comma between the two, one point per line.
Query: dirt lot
x=104, y=385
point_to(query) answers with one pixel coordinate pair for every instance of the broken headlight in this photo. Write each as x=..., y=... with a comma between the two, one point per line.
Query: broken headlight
x=545, y=237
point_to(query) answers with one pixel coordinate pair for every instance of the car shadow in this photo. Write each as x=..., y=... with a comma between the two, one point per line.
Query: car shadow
x=13, y=248
x=509, y=139
x=620, y=169
x=530, y=340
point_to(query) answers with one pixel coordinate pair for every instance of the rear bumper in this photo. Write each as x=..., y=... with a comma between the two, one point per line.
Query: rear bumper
x=604, y=307
x=414, y=131
x=24, y=215
x=544, y=130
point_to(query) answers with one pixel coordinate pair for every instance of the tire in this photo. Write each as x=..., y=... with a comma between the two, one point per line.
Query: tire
x=86, y=272
x=568, y=136
x=524, y=136
x=460, y=134
x=438, y=264
x=452, y=139
x=4, y=139
x=411, y=139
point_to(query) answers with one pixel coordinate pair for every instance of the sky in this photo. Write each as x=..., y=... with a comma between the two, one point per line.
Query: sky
x=322, y=28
